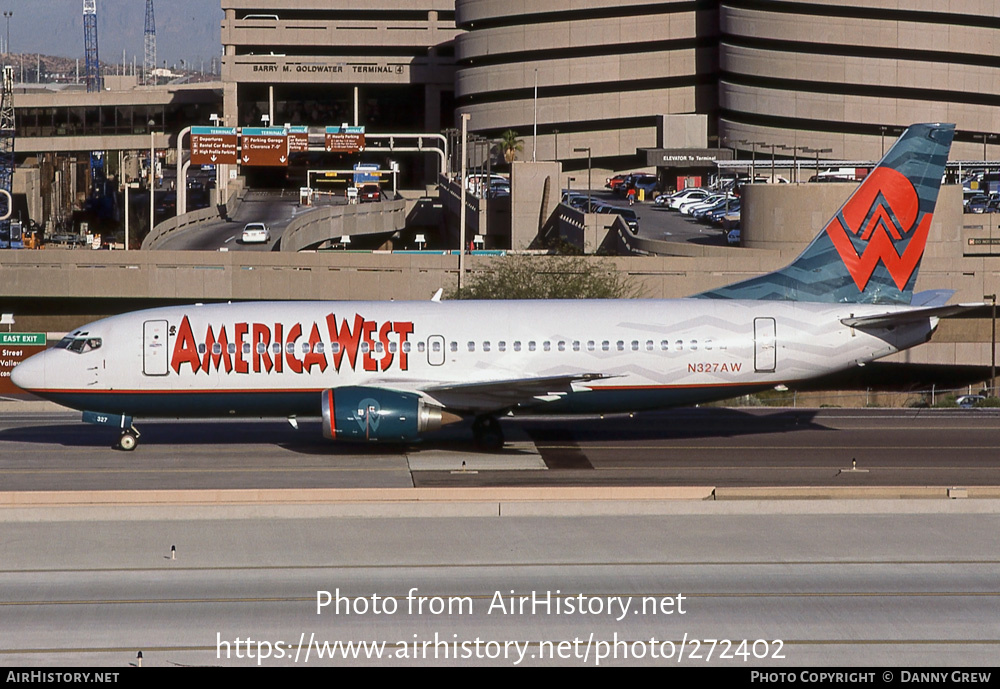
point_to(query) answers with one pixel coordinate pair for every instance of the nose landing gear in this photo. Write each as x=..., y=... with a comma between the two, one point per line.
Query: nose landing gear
x=129, y=433
x=129, y=439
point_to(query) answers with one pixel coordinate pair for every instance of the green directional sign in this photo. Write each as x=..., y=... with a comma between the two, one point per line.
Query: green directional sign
x=23, y=339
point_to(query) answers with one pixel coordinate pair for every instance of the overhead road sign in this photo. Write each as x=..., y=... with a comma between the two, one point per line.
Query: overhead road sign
x=345, y=139
x=298, y=139
x=264, y=147
x=214, y=146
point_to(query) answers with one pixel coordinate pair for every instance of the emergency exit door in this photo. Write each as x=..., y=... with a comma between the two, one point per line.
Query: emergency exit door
x=765, y=347
x=155, y=352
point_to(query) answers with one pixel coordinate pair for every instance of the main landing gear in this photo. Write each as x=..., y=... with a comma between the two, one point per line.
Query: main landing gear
x=488, y=434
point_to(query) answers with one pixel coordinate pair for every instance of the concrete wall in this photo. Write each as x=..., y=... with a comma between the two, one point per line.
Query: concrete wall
x=324, y=225
x=534, y=195
x=788, y=216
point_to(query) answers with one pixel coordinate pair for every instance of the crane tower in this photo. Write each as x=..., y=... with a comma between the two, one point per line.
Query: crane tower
x=6, y=141
x=149, y=43
x=92, y=62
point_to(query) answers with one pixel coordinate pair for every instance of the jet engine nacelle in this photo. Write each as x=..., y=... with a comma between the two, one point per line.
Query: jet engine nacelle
x=374, y=414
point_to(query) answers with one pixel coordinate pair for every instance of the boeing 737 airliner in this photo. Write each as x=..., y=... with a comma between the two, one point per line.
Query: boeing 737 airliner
x=390, y=371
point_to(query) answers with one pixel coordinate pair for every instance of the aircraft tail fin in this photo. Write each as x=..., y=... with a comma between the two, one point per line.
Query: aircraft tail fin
x=870, y=251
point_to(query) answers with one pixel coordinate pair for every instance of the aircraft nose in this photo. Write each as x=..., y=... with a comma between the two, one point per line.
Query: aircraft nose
x=30, y=373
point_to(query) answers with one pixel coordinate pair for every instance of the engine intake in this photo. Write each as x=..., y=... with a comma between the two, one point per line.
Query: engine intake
x=376, y=415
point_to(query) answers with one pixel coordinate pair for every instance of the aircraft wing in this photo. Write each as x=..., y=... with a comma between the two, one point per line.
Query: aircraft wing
x=503, y=394
x=884, y=320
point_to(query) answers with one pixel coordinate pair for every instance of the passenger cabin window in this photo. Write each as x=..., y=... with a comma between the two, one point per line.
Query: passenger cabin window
x=453, y=346
x=502, y=346
x=472, y=346
x=486, y=346
x=517, y=345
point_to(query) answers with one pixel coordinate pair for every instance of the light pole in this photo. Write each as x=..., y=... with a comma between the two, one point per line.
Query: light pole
x=590, y=184
x=152, y=165
x=817, y=151
x=461, y=203
x=883, y=128
x=795, y=158
x=993, y=347
x=534, y=132
x=556, y=133
x=128, y=185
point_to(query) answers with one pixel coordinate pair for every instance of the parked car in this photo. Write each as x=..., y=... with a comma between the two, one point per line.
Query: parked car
x=689, y=207
x=628, y=215
x=977, y=203
x=969, y=401
x=733, y=237
x=686, y=195
x=255, y=233
x=645, y=183
x=616, y=183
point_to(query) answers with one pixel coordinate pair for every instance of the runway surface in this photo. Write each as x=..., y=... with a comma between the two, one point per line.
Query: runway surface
x=901, y=589
x=695, y=447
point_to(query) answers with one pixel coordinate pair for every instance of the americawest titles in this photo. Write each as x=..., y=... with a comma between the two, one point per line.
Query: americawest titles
x=275, y=347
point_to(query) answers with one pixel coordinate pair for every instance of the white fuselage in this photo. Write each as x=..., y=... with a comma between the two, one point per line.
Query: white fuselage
x=273, y=358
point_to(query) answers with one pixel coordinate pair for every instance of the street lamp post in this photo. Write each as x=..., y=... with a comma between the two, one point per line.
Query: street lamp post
x=461, y=203
x=152, y=172
x=993, y=345
x=590, y=185
x=795, y=159
x=817, y=151
x=128, y=185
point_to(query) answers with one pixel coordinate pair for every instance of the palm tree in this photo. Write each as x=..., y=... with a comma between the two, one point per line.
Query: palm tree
x=510, y=145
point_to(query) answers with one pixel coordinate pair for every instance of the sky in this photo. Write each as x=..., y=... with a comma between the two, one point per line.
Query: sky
x=185, y=29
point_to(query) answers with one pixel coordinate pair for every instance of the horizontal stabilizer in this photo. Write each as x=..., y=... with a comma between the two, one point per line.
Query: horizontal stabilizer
x=884, y=320
x=932, y=297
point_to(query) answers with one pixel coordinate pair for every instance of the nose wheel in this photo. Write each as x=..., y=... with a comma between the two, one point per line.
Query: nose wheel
x=129, y=440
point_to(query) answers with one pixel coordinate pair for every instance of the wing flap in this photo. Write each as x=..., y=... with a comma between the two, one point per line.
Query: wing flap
x=504, y=394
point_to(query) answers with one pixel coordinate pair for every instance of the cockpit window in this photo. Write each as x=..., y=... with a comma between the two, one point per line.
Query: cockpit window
x=80, y=345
